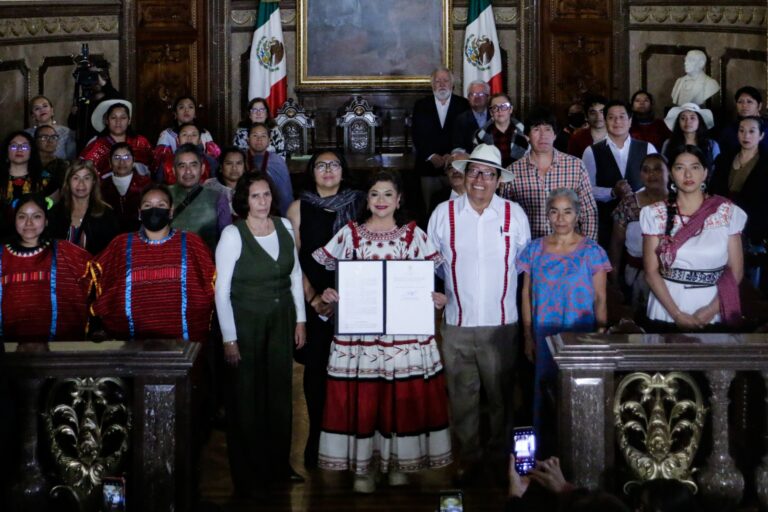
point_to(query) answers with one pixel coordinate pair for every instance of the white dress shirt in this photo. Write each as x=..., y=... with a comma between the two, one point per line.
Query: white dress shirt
x=620, y=154
x=442, y=109
x=481, y=285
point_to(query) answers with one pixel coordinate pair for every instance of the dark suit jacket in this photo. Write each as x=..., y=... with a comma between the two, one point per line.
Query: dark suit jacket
x=464, y=129
x=431, y=138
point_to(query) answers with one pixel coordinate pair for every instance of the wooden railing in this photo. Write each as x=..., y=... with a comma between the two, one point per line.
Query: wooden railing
x=591, y=368
x=101, y=409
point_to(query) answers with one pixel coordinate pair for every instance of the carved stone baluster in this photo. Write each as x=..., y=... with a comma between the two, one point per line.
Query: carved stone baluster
x=30, y=489
x=761, y=473
x=721, y=483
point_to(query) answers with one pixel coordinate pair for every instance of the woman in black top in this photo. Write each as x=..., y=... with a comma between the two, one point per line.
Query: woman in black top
x=81, y=216
x=743, y=177
x=321, y=210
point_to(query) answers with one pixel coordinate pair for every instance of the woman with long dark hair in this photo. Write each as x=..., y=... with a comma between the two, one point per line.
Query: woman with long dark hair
x=81, y=217
x=112, y=120
x=326, y=206
x=184, y=111
x=386, y=405
x=690, y=124
x=21, y=171
x=45, y=284
x=231, y=169
x=743, y=177
x=258, y=112
x=692, y=251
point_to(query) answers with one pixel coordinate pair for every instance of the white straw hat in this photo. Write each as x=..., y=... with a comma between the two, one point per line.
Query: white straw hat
x=97, y=118
x=485, y=154
x=705, y=114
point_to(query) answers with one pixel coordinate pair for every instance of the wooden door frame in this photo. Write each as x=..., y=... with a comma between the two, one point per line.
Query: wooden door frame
x=217, y=84
x=530, y=42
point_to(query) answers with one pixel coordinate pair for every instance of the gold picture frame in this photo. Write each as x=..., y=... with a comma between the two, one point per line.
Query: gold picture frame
x=371, y=43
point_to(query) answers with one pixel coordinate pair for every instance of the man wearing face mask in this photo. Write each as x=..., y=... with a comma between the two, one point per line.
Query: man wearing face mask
x=157, y=282
x=576, y=119
x=200, y=210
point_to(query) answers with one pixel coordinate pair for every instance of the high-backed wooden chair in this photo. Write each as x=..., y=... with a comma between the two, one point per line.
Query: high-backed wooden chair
x=297, y=126
x=359, y=124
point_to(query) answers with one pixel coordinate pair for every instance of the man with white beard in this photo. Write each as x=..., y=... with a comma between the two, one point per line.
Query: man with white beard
x=433, y=126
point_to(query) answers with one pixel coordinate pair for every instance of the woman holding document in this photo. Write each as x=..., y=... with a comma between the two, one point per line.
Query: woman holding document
x=386, y=407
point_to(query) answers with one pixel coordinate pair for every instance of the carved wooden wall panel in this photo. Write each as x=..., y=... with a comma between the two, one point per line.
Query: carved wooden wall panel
x=576, y=41
x=579, y=66
x=175, y=14
x=165, y=73
x=171, y=61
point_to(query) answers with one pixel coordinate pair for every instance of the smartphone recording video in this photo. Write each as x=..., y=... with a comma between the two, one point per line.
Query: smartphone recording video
x=113, y=495
x=524, y=449
x=451, y=501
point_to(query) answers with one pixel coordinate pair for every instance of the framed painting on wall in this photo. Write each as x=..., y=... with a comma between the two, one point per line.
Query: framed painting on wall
x=371, y=43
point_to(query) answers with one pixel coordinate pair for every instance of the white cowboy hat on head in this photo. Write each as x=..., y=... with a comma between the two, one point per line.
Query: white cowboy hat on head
x=97, y=118
x=705, y=114
x=487, y=155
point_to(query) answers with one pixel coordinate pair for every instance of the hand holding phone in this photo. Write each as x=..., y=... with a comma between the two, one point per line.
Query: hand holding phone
x=524, y=449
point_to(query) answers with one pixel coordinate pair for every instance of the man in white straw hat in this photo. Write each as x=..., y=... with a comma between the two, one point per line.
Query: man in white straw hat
x=479, y=235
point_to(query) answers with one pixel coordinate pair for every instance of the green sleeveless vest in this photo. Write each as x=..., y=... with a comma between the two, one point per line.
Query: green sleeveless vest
x=257, y=277
x=200, y=216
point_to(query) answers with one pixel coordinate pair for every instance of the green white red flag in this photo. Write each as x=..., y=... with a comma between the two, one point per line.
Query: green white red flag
x=268, y=72
x=482, y=54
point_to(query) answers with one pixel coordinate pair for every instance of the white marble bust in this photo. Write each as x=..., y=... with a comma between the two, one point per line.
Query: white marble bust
x=696, y=86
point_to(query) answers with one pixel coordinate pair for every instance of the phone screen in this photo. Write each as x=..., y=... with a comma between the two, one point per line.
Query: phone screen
x=113, y=493
x=451, y=501
x=525, y=450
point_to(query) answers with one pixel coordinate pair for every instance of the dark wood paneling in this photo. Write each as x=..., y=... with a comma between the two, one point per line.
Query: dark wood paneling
x=577, y=45
x=171, y=60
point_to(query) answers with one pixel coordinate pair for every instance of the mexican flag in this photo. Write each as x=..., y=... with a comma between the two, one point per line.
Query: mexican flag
x=268, y=76
x=482, y=54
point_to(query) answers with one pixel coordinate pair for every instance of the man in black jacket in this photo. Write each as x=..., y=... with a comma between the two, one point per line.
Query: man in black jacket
x=470, y=121
x=433, y=124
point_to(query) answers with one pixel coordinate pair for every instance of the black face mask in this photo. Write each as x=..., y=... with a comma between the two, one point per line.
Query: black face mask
x=576, y=120
x=155, y=219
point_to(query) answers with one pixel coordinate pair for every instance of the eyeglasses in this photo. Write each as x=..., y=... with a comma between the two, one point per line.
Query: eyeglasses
x=46, y=138
x=122, y=157
x=258, y=110
x=330, y=166
x=501, y=107
x=19, y=147
x=485, y=175
x=477, y=95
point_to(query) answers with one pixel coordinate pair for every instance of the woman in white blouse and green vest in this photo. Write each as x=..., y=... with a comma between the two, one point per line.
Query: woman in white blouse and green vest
x=260, y=304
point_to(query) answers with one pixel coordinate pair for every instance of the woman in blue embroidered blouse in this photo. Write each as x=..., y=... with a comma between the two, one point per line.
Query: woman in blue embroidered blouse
x=563, y=290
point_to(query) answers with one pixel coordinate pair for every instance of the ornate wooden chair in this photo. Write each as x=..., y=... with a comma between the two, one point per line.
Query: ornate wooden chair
x=359, y=125
x=297, y=126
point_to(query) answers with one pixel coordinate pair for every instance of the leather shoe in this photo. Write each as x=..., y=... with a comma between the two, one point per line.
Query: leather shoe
x=293, y=477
